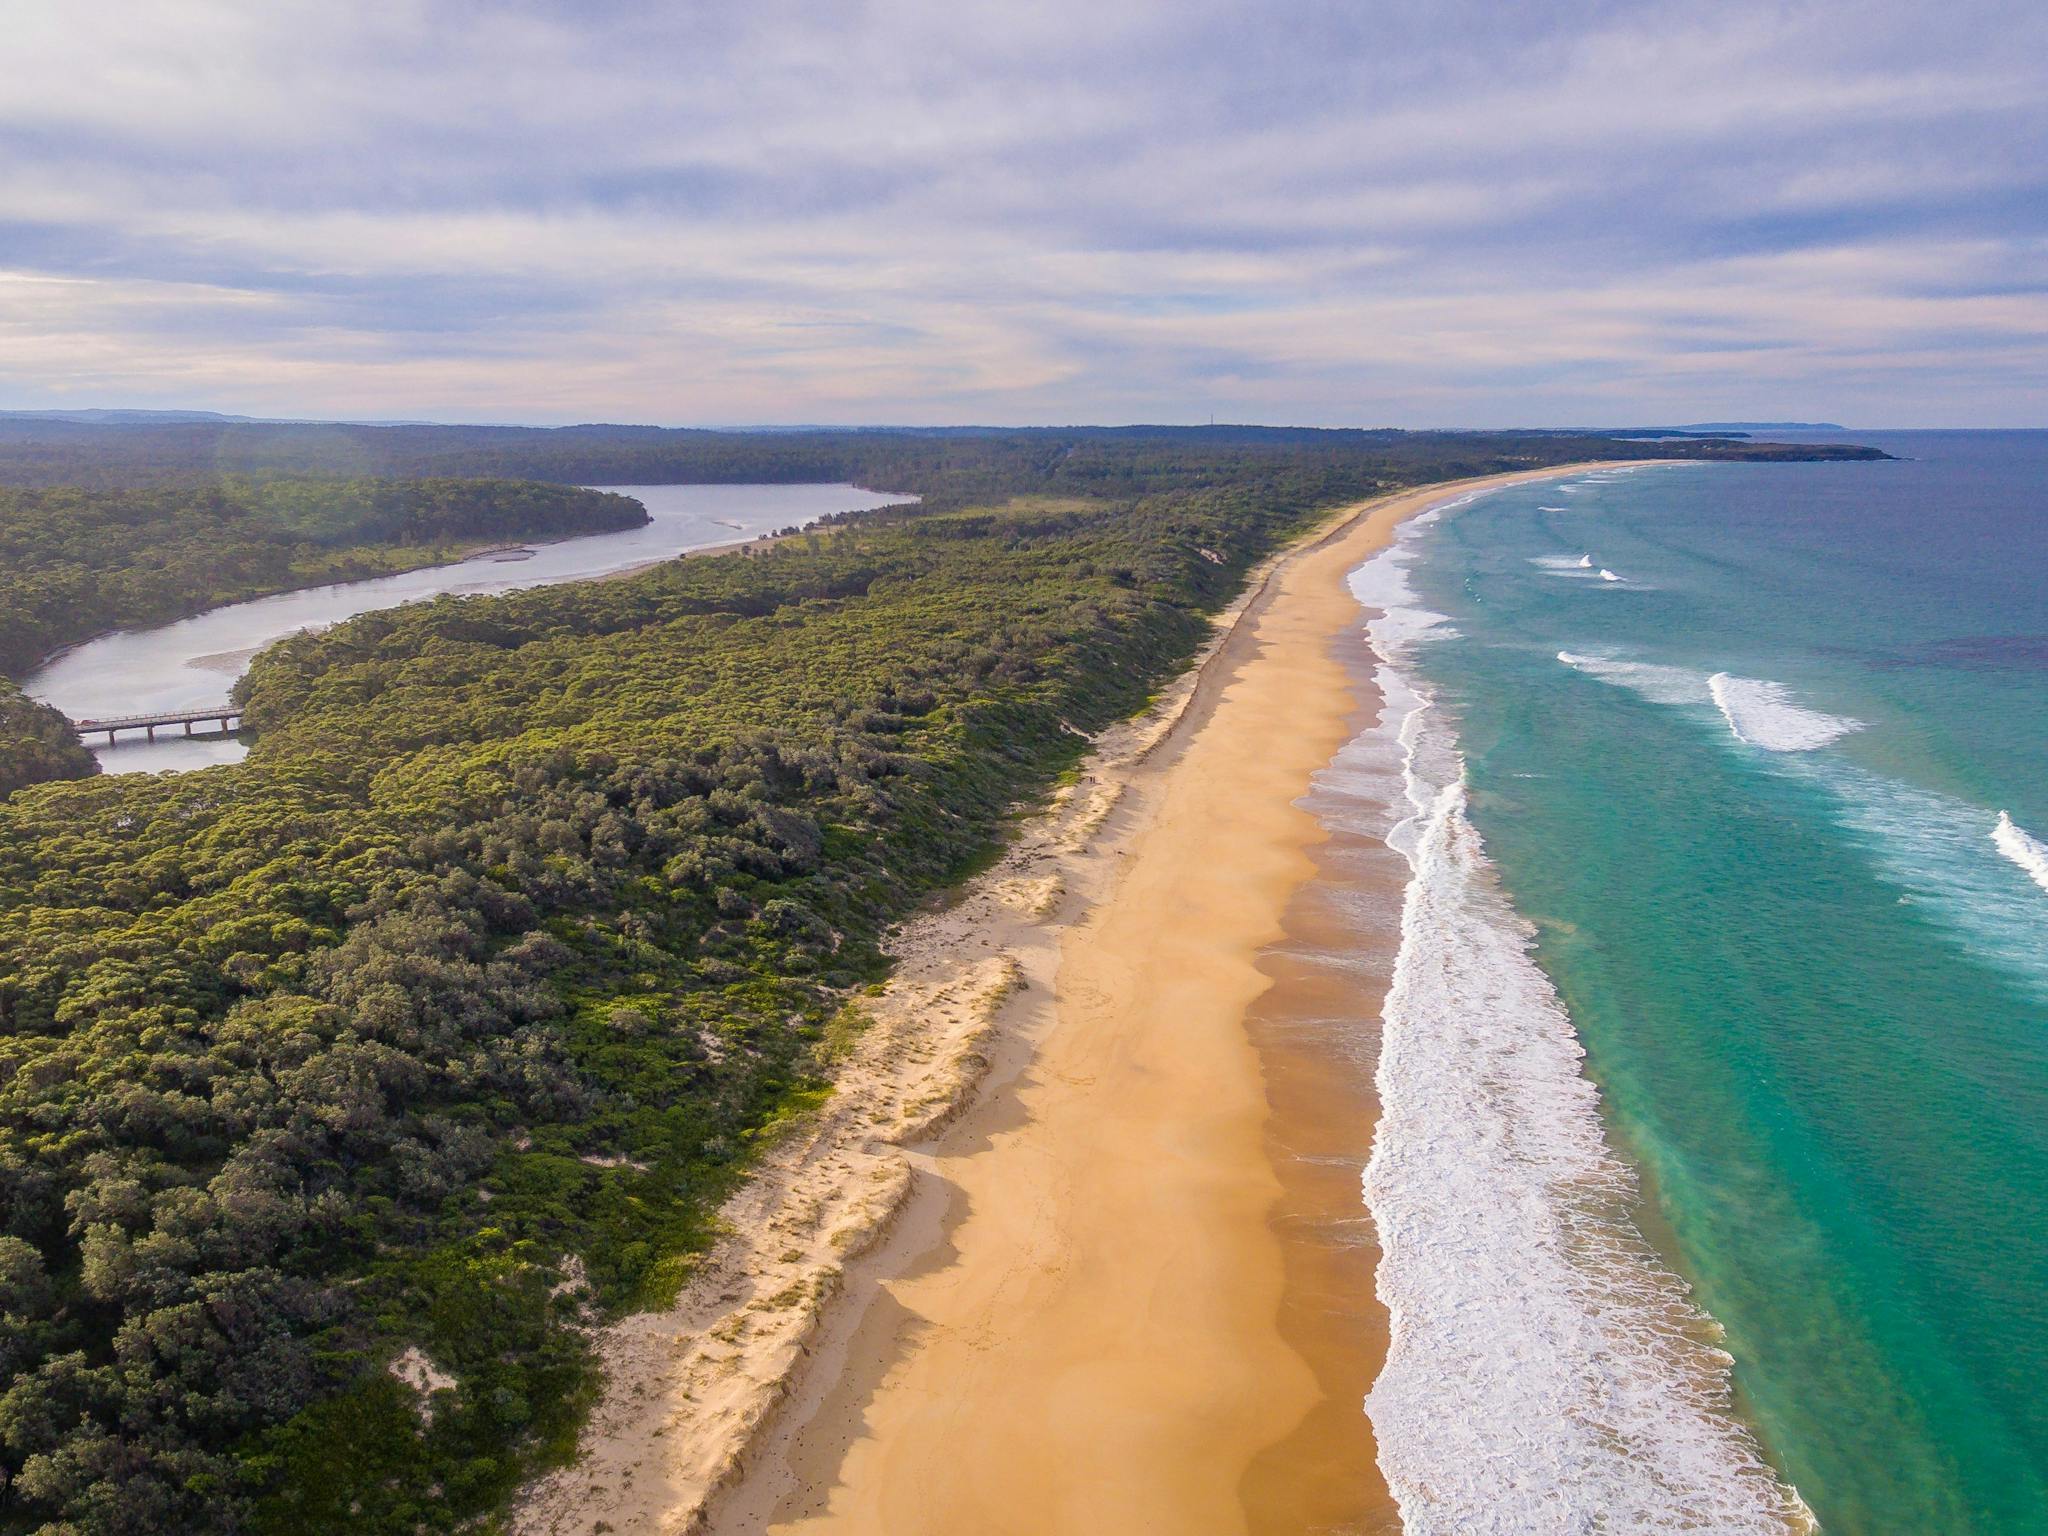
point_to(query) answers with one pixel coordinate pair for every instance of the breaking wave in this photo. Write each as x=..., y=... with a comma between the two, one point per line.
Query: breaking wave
x=1763, y=714
x=1546, y=1371
x=2024, y=849
x=1933, y=847
x=1659, y=684
x=1930, y=845
x=1580, y=569
x=1757, y=712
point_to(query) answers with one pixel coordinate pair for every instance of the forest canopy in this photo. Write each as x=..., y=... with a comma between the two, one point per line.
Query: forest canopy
x=36, y=743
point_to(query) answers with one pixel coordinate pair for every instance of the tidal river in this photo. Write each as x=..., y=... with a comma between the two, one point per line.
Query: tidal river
x=194, y=662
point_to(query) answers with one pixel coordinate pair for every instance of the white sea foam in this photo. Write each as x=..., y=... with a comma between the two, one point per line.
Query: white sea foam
x=1932, y=845
x=1757, y=712
x=2023, y=848
x=1658, y=684
x=1762, y=713
x=1382, y=583
x=1563, y=565
x=1545, y=1373
x=1581, y=569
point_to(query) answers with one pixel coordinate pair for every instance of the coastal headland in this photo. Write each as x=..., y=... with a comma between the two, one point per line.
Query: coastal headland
x=1078, y=1244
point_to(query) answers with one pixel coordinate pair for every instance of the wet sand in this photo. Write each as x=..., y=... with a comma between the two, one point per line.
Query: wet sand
x=1316, y=1031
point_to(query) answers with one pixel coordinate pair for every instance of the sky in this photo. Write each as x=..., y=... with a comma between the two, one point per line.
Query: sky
x=1383, y=212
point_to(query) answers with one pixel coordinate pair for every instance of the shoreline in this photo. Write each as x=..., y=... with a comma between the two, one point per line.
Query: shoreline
x=1087, y=1201
x=1316, y=1031
x=1523, y=1286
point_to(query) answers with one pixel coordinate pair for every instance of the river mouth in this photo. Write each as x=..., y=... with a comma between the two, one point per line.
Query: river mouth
x=192, y=663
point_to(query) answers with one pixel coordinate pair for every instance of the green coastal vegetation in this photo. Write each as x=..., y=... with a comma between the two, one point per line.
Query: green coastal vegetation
x=36, y=743
x=442, y=1023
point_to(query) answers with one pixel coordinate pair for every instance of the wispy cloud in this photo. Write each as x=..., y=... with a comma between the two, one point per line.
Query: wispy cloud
x=909, y=210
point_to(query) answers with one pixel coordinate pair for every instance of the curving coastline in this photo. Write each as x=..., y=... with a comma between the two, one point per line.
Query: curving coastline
x=1078, y=1244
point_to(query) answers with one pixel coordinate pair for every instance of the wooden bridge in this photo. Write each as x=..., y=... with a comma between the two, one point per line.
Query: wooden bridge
x=216, y=715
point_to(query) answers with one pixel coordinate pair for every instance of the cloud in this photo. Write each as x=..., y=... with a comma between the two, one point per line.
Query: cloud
x=905, y=210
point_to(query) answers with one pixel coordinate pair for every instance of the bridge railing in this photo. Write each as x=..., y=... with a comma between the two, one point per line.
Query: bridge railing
x=213, y=714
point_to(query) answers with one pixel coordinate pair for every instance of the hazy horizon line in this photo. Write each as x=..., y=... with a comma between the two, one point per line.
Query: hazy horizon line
x=171, y=415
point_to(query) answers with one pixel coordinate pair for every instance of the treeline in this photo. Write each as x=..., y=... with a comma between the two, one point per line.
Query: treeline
x=952, y=467
x=75, y=562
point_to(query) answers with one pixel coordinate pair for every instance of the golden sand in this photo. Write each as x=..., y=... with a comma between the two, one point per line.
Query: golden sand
x=1126, y=1285
x=1143, y=1242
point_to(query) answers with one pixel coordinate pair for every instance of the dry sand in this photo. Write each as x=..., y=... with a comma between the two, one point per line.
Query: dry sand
x=1125, y=1286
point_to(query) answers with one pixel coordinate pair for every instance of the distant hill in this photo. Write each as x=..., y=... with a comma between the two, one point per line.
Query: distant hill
x=119, y=416
x=1761, y=426
x=101, y=416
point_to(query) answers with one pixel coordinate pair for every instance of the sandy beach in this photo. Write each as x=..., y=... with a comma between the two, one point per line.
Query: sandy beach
x=1079, y=1245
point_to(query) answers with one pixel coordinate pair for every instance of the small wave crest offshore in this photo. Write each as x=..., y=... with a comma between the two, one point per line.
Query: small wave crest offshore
x=1930, y=844
x=1757, y=711
x=2024, y=849
x=1546, y=1372
x=1762, y=713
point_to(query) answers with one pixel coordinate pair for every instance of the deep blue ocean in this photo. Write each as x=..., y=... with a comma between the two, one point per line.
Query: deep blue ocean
x=1760, y=755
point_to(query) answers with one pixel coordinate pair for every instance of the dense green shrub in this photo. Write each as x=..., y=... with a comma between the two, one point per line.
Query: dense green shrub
x=37, y=743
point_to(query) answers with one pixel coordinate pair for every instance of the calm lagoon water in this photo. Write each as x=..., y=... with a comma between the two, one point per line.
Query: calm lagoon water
x=195, y=661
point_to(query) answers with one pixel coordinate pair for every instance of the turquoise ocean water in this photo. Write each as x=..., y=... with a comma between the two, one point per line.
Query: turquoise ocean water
x=1752, y=763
